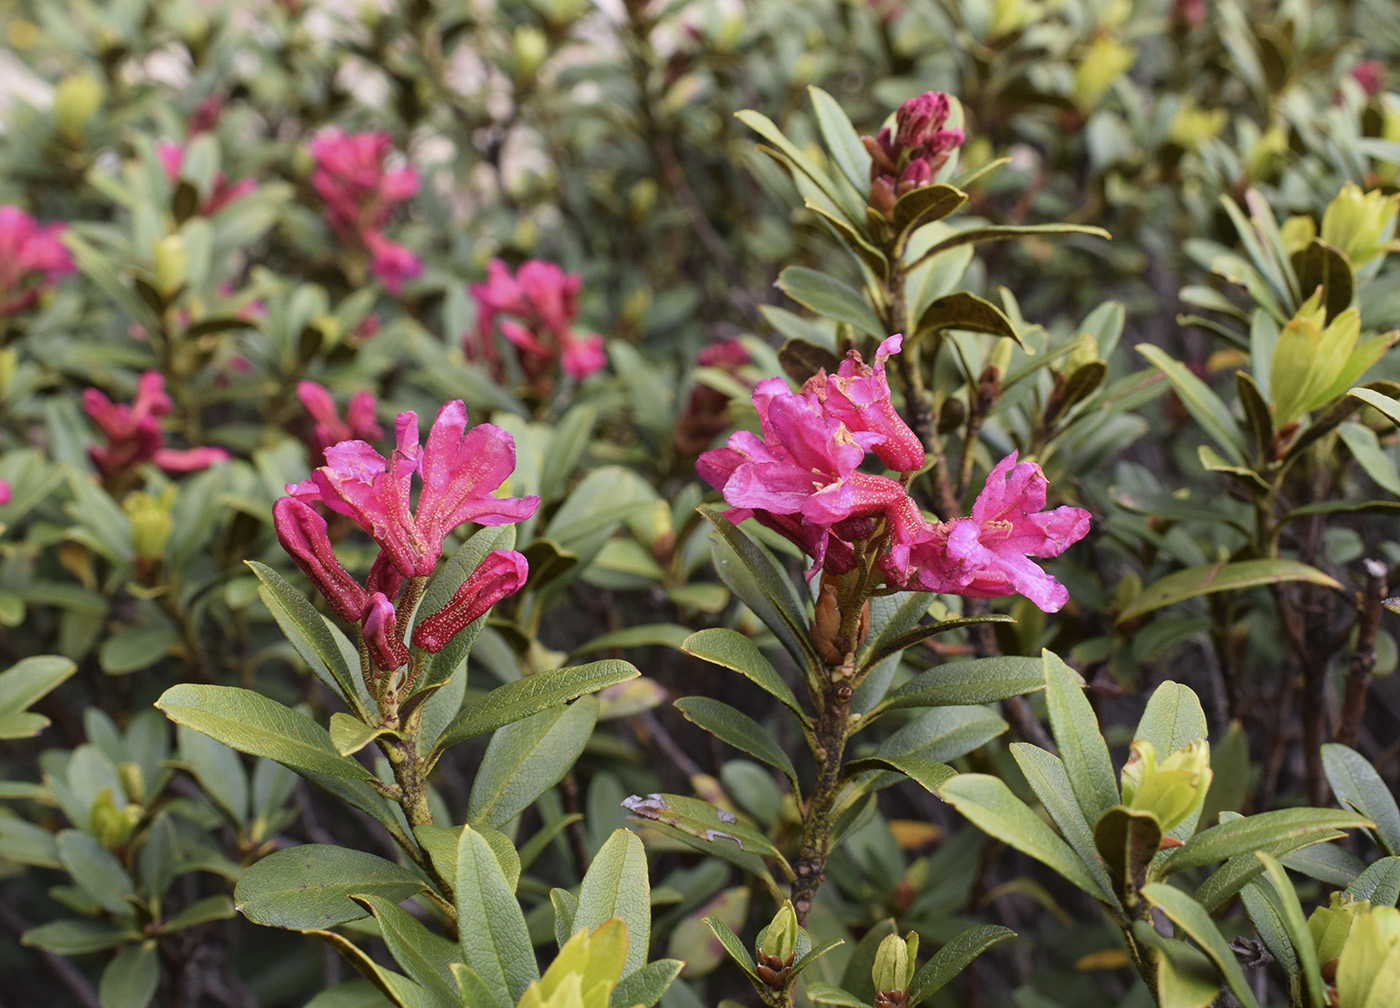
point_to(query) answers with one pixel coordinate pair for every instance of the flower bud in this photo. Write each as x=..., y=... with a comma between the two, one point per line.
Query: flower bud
x=502, y=573
x=894, y=965
x=1171, y=790
x=779, y=938
x=151, y=524
x=133, y=782
x=1330, y=925
x=529, y=49
x=171, y=258
x=379, y=627
x=302, y=533
x=75, y=100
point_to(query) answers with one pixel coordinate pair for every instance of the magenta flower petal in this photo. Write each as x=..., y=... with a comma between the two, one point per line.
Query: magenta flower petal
x=379, y=625
x=501, y=573
x=302, y=533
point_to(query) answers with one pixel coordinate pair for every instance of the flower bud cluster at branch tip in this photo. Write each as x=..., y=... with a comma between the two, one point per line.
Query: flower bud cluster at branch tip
x=910, y=155
x=459, y=467
x=134, y=434
x=534, y=310
x=222, y=192
x=360, y=195
x=802, y=479
x=31, y=259
x=360, y=423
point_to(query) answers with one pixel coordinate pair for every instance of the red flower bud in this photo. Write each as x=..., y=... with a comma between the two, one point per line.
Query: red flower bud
x=502, y=573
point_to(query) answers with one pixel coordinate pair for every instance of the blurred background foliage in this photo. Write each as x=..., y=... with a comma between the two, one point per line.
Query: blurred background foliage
x=1205, y=137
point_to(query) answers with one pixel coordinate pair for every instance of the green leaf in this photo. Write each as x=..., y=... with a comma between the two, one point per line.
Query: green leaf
x=309, y=887
x=427, y=958
x=1192, y=919
x=990, y=806
x=822, y=992
x=97, y=871
x=761, y=585
x=929, y=773
x=309, y=634
x=840, y=138
x=829, y=296
x=918, y=634
x=210, y=908
x=531, y=695
x=251, y=723
x=1366, y=448
x=1173, y=720
x=1296, y=927
x=645, y=985
x=732, y=945
x=1323, y=265
x=719, y=832
x=1217, y=577
x=1128, y=840
x=924, y=205
x=1204, y=405
x=27, y=844
x=953, y=958
x=131, y=978
x=1379, y=883
x=349, y=734
x=968, y=312
x=732, y=650
x=1047, y=778
x=565, y=905
x=1356, y=783
x=1005, y=232
x=616, y=885
x=981, y=680
x=1378, y=401
x=1186, y=978
x=797, y=161
x=1235, y=873
x=1076, y=730
x=739, y=730
x=526, y=758
x=399, y=990
x=79, y=936
x=25, y=682
x=495, y=941
x=1256, y=832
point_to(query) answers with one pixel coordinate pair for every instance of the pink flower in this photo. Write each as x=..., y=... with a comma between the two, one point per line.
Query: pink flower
x=4, y=492
x=380, y=629
x=460, y=469
x=359, y=423
x=303, y=535
x=987, y=555
x=501, y=573
x=542, y=302
x=801, y=479
x=222, y=192
x=391, y=262
x=134, y=434
x=360, y=195
x=31, y=258
x=859, y=396
x=1370, y=74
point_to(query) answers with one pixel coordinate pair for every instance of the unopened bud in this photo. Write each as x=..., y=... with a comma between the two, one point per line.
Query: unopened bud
x=302, y=533
x=171, y=258
x=894, y=965
x=133, y=782
x=379, y=626
x=151, y=524
x=779, y=938
x=75, y=100
x=529, y=49
x=501, y=573
x=826, y=623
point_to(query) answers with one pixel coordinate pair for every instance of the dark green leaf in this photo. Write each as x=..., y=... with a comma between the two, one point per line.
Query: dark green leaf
x=953, y=958
x=981, y=680
x=616, y=885
x=131, y=978
x=1076, y=730
x=739, y=730
x=494, y=939
x=526, y=758
x=1257, y=832
x=309, y=887
x=1217, y=577
x=1356, y=783
x=968, y=312
x=829, y=296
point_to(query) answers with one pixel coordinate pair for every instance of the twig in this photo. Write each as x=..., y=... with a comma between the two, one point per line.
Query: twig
x=1363, y=656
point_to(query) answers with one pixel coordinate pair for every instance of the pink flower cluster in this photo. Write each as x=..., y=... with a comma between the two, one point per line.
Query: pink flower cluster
x=911, y=155
x=459, y=469
x=224, y=192
x=802, y=479
x=31, y=257
x=360, y=423
x=705, y=413
x=134, y=434
x=360, y=195
x=535, y=311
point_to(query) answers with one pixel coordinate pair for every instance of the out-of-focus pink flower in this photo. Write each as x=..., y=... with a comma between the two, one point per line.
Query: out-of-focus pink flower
x=4, y=492
x=1370, y=74
x=393, y=263
x=360, y=423
x=987, y=555
x=705, y=413
x=134, y=434
x=360, y=194
x=31, y=258
x=222, y=192
x=460, y=469
x=540, y=302
x=1189, y=13
x=859, y=396
x=804, y=468
x=501, y=573
x=910, y=155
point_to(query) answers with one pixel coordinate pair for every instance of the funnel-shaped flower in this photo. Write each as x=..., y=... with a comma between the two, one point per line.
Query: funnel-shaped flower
x=987, y=555
x=360, y=195
x=541, y=302
x=460, y=469
x=859, y=396
x=359, y=423
x=501, y=573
